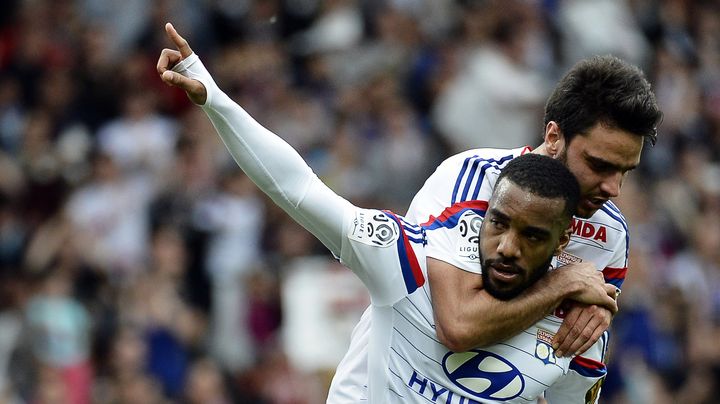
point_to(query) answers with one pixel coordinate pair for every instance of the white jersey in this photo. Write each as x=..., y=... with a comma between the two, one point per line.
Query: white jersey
x=450, y=208
x=405, y=361
x=452, y=203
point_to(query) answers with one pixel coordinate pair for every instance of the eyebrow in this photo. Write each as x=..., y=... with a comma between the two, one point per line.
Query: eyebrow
x=534, y=230
x=498, y=214
x=537, y=231
x=610, y=166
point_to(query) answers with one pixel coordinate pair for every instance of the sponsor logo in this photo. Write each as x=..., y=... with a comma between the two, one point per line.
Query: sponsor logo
x=431, y=390
x=484, y=374
x=591, y=231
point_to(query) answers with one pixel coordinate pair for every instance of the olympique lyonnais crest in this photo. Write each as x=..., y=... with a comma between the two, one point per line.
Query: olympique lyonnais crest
x=543, y=347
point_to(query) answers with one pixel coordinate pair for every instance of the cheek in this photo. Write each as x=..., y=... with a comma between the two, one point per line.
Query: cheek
x=538, y=255
x=587, y=178
x=488, y=246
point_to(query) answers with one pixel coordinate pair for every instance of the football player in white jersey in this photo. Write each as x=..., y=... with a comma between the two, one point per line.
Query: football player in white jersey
x=528, y=218
x=596, y=122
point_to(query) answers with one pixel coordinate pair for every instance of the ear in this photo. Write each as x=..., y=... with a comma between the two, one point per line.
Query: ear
x=554, y=141
x=564, y=241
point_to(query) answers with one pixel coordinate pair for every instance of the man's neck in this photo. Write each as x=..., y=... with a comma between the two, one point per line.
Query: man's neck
x=542, y=149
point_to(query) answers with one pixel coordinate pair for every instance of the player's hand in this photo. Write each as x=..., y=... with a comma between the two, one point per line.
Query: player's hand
x=169, y=58
x=604, y=295
x=583, y=283
x=581, y=328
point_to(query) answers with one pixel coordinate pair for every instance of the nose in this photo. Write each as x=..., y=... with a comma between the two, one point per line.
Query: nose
x=611, y=185
x=508, y=246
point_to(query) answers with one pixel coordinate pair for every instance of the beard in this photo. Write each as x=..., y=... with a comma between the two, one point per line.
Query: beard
x=562, y=157
x=511, y=292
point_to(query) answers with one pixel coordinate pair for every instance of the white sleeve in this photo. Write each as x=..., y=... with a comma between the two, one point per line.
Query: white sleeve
x=583, y=382
x=272, y=164
x=378, y=246
x=616, y=270
x=386, y=253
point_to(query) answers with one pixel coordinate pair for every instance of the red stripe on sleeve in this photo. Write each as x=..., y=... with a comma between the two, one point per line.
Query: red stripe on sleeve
x=588, y=363
x=414, y=265
x=614, y=273
x=455, y=208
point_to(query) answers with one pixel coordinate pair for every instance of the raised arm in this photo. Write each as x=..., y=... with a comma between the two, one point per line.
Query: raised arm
x=356, y=236
x=269, y=161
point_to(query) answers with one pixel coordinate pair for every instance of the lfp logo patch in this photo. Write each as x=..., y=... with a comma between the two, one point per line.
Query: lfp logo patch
x=484, y=374
x=378, y=230
x=543, y=347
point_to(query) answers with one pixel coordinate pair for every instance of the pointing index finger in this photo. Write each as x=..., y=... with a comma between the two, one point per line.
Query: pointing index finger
x=180, y=42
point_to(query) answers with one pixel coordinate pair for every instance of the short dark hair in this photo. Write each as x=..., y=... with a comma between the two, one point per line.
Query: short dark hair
x=546, y=177
x=606, y=90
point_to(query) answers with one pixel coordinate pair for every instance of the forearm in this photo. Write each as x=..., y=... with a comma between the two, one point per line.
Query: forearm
x=490, y=320
x=271, y=163
x=467, y=316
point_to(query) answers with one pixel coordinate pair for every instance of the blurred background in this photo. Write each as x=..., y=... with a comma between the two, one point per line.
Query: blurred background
x=138, y=265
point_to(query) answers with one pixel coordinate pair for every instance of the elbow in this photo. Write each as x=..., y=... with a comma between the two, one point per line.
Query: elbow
x=457, y=338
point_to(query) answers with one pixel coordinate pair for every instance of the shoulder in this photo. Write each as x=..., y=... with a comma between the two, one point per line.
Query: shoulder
x=374, y=228
x=604, y=232
x=371, y=230
x=496, y=157
x=611, y=215
x=386, y=252
x=474, y=164
x=606, y=228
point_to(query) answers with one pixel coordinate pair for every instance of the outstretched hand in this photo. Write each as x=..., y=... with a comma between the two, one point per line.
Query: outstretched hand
x=169, y=58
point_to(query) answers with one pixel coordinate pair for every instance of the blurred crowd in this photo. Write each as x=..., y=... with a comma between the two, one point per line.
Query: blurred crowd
x=139, y=265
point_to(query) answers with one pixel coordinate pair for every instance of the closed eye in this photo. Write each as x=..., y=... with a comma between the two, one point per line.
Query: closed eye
x=536, y=234
x=498, y=224
x=602, y=166
x=498, y=220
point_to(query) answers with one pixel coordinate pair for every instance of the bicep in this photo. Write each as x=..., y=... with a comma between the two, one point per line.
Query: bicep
x=451, y=286
x=452, y=290
x=449, y=282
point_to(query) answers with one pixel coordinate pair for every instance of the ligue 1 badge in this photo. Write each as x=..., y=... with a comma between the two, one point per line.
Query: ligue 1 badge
x=543, y=347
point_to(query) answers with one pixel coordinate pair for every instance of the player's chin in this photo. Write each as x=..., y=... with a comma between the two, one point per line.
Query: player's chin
x=502, y=288
x=588, y=207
